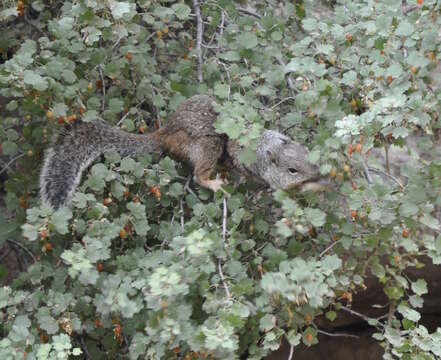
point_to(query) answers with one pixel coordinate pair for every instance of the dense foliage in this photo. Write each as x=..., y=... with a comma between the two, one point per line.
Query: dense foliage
x=145, y=264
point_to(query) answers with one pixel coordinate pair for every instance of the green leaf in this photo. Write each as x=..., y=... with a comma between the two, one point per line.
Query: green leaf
x=247, y=40
x=315, y=216
x=35, y=80
x=419, y=287
x=181, y=10
x=9, y=148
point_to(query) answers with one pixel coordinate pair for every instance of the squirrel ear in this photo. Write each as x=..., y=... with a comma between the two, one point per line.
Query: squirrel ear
x=272, y=157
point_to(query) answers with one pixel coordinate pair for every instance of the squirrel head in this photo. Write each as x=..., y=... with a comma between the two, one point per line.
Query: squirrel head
x=283, y=164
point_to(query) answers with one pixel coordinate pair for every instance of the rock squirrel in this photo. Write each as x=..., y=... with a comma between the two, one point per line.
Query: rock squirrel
x=189, y=135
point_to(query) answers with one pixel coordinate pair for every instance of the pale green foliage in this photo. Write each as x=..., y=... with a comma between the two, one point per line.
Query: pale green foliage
x=143, y=251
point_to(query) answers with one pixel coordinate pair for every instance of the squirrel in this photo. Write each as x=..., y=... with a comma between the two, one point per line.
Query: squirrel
x=189, y=135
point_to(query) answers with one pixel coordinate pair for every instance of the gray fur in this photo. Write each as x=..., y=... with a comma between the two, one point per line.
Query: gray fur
x=190, y=136
x=76, y=148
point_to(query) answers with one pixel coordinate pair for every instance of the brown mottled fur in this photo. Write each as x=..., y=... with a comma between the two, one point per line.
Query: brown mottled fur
x=189, y=135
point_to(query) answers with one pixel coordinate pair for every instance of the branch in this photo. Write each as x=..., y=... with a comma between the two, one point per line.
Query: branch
x=199, y=33
x=182, y=215
x=337, y=334
x=7, y=166
x=224, y=240
x=329, y=248
x=366, y=172
x=364, y=317
x=224, y=223
x=21, y=246
x=378, y=171
x=103, y=87
x=224, y=283
x=291, y=351
x=248, y=12
x=282, y=101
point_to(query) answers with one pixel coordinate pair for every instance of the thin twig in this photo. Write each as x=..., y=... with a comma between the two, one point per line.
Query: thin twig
x=282, y=101
x=84, y=348
x=364, y=317
x=188, y=188
x=21, y=246
x=6, y=253
x=378, y=171
x=200, y=29
x=103, y=87
x=408, y=9
x=337, y=334
x=329, y=247
x=224, y=283
x=291, y=351
x=8, y=165
x=128, y=112
x=366, y=172
x=182, y=215
x=248, y=12
x=386, y=150
x=224, y=223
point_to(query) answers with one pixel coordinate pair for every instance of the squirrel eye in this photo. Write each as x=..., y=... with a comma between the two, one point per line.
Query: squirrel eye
x=292, y=171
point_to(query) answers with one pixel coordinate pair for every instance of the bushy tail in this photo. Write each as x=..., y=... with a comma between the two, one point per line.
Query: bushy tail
x=76, y=148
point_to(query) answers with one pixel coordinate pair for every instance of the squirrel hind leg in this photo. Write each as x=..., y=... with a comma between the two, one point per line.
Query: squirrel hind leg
x=204, y=156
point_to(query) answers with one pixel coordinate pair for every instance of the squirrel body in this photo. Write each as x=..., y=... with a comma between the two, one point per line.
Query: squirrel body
x=189, y=135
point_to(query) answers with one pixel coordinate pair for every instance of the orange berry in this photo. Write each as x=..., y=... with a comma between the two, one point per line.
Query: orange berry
x=414, y=69
x=156, y=190
x=349, y=36
x=43, y=234
x=99, y=266
x=135, y=199
x=49, y=114
x=97, y=323
x=176, y=350
x=350, y=149
x=61, y=119
x=107, y=201
x=22, y=201
x=333, y=173
x=396, y=259
x=309, y=337
x=48, y=246
x=141, y=129
x=122, y=233
x=358, y=147
x=126, y=193
x=82, y=110
x=129, y=56
x=354, y=214
x=419, y=2
x=389, y=79
x=405, y=233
